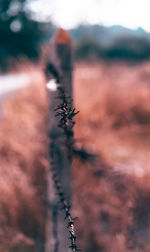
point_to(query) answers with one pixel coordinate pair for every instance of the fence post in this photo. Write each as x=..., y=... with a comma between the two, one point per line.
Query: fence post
x=59, y=66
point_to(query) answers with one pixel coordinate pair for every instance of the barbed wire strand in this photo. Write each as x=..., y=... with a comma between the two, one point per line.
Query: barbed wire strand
x=65, y=206
x=66, y=114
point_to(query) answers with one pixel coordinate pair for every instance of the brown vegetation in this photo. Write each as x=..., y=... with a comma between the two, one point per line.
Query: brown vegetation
x=23, y=170
x=111, y=190
x=112, y=194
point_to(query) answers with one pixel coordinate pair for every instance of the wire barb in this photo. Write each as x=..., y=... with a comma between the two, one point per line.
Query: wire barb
x=66, y=115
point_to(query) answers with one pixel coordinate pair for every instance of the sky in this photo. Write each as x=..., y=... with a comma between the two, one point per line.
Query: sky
x=70, y=13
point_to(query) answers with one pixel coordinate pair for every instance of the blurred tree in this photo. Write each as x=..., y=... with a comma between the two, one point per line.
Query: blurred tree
x=20, y=34
x=126, y=48
x=129, y=48
x=89, y=49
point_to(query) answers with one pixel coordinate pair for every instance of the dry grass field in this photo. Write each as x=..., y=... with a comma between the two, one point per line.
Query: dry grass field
x=114, y=104
x=23, y=148
x=111, y=187
x=112, y=193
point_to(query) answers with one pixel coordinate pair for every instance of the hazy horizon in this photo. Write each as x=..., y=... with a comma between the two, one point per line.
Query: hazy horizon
x=69, y=14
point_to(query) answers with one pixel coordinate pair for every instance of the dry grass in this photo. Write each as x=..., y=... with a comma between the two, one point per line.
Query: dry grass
x=23, y=169
x=113, y=194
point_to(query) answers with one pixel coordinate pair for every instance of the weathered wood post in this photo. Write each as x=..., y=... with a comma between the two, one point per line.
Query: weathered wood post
x=59, y=66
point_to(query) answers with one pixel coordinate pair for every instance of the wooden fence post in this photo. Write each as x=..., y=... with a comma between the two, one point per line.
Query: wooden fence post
x=59, y=62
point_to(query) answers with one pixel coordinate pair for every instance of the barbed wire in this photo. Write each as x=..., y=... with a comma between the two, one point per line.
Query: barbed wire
x=66, y=121
x=64, y=205
x=66, y=115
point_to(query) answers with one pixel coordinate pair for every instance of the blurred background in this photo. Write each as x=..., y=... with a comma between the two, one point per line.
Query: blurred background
x=111, y=89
